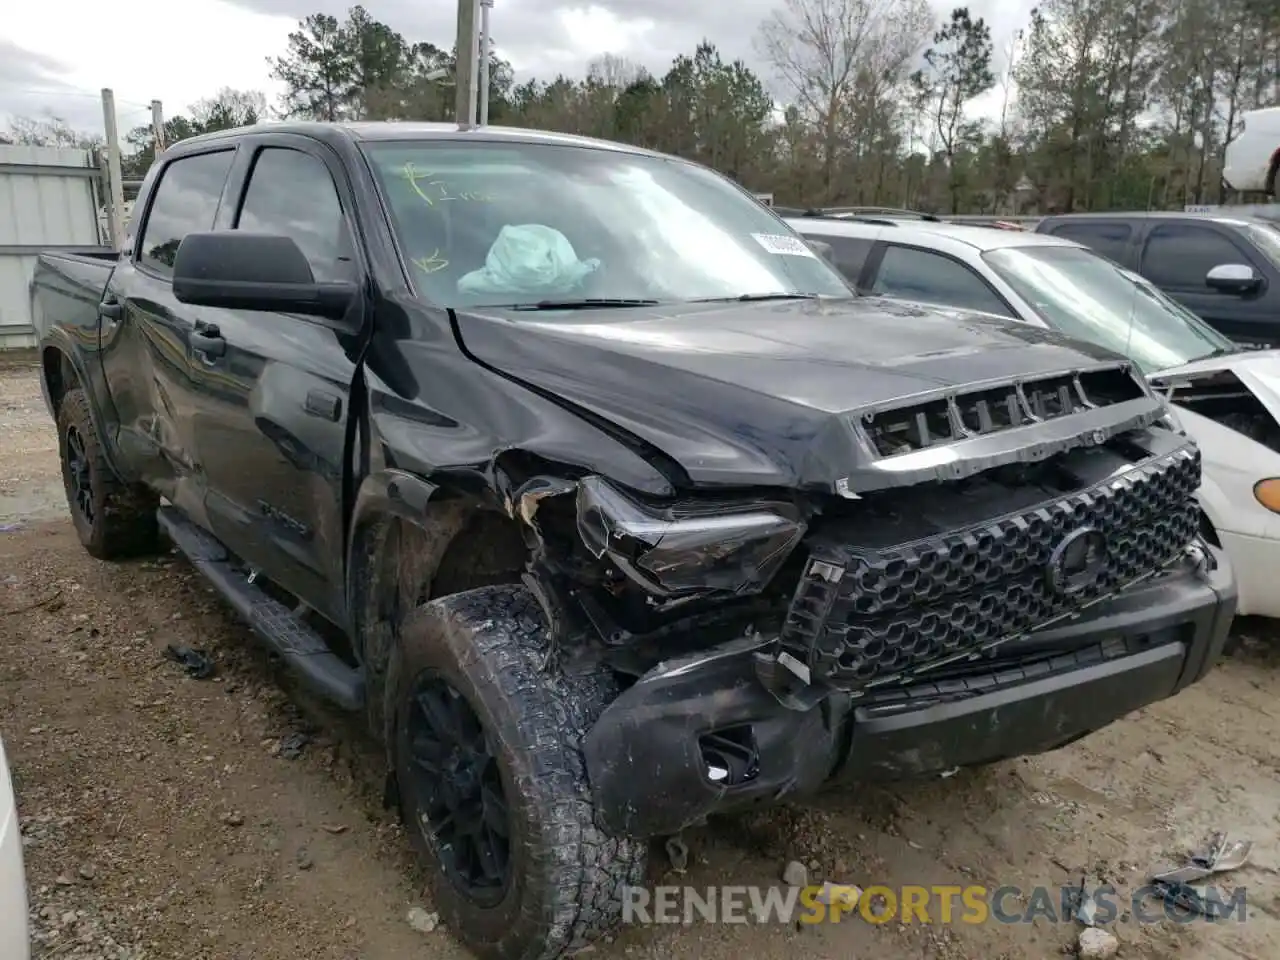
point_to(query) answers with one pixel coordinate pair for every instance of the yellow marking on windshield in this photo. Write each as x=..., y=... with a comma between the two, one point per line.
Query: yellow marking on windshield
x=440, y=188
x=431, y=263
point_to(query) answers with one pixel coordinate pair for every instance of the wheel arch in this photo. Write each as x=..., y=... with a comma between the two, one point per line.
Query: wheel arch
x=410, y=542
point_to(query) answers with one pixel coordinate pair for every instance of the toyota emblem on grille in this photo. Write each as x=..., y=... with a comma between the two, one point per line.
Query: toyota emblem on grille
x=1076, y=562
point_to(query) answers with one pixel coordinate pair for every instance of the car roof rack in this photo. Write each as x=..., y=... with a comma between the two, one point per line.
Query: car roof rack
x=900, y=213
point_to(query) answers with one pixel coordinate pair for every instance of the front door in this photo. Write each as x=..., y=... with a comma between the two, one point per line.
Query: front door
x=273, y=421
x=1178, y=255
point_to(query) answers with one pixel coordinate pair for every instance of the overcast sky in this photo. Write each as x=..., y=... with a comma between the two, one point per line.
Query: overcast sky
x=56, y=55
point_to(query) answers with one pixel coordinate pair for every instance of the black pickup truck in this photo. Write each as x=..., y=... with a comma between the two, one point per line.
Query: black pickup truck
x=605, y=498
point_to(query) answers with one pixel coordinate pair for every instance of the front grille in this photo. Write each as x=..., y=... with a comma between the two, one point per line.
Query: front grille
x=861, y=615
x=994, y=409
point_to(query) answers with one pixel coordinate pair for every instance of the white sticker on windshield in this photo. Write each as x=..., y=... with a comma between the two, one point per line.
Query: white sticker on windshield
x=784, y=245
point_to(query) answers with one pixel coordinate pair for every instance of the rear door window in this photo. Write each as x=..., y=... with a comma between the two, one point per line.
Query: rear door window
x=1179, y=256
x=1109, y=239
x=913, y=274
x=186, y=201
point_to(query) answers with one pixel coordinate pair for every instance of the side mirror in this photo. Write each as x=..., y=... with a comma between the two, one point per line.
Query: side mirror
x=254, y=271
x=1233, y=278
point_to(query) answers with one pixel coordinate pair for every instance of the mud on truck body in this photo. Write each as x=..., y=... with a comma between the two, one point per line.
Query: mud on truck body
x=683, y=527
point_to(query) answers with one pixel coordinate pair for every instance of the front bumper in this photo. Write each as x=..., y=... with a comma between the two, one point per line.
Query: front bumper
x=15, y=938
x=650, y=756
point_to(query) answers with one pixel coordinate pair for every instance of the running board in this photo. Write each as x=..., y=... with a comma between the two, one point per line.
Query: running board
x=301, y=648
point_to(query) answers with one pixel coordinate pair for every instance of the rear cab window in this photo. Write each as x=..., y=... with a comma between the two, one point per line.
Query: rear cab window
x=186, y=201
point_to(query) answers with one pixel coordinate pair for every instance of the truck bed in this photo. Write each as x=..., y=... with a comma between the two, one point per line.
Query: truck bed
x=67, y=287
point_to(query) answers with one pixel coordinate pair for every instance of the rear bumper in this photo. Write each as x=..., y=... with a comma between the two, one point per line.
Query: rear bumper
x=651, y=753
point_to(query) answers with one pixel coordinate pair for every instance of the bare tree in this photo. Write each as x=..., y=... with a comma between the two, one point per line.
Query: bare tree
x=835, y=56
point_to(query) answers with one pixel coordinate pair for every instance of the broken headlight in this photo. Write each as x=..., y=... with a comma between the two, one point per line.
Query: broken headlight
x=681, y=551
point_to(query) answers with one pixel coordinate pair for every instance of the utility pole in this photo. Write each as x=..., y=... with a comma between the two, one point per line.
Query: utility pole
x=115, y=186
x=157, y=126
x=465, y=104
x=485, y=47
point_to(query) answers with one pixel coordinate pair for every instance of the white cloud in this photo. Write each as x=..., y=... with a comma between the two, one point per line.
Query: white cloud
x=56, y=55
x=143, y=50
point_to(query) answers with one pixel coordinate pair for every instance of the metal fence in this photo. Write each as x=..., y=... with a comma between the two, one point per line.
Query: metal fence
x=49, y=199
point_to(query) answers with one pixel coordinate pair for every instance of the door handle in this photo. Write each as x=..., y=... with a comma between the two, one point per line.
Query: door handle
x=209, y=341
x=111, y=310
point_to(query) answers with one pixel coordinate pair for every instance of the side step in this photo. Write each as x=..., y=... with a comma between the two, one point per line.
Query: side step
x=301, y=648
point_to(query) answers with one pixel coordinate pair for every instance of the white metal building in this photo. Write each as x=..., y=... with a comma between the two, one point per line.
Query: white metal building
x=49, y=199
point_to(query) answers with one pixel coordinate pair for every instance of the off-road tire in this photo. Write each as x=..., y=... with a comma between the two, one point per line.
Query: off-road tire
x=124, y=516
x=567, y=877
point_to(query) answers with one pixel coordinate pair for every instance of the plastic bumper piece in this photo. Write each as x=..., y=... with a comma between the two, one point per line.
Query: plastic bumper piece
x=652, y=756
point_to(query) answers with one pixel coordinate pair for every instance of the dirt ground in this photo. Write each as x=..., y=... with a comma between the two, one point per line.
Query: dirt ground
x=231, y=818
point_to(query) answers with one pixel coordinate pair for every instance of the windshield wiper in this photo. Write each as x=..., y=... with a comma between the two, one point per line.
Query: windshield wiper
x=753, y=297
x=586, y=304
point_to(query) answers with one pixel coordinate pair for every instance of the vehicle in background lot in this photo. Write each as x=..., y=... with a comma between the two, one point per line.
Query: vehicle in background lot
x=1224, y=268
x=604, y=519
x=1252, y=160
x=15, y=935
x=1227, y=399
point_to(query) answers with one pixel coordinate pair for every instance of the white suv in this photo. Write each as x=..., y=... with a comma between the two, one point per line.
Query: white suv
x=1253, y=157
x=15, y=936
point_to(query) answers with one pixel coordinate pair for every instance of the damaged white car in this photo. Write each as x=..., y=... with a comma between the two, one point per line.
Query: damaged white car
x=15, y=940
x=1227, y=399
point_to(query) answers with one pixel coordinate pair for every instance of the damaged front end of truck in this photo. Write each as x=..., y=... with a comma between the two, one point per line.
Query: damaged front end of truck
x=961, y=543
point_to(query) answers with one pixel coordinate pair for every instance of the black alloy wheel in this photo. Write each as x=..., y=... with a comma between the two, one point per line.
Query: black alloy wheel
x=457, y=789
x=79, y=476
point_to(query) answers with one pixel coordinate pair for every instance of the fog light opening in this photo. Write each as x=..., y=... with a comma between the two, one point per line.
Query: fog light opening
x=730, y=756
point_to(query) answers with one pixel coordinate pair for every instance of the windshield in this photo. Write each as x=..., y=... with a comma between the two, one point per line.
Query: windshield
x=499, y=224
x=1267, y=239
x=1087, y=296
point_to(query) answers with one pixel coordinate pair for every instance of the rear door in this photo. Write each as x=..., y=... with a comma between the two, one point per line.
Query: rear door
x=274, y=414
x=1177, y=255
x=928, y=276
x=146, y=333
x=1114, y=239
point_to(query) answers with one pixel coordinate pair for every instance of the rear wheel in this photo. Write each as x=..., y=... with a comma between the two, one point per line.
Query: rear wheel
x=1269, y=187
x=113, y=519
x=485, y=743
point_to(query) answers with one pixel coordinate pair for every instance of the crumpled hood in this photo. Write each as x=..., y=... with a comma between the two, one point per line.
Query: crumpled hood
x=1259, y=370
x=761, y=393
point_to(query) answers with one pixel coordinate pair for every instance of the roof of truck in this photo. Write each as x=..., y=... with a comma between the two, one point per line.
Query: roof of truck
x=1224, y=216
x=395, y=130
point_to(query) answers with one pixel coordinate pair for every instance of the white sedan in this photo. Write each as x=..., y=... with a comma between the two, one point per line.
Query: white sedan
x=15, y=936
x=1227, y=399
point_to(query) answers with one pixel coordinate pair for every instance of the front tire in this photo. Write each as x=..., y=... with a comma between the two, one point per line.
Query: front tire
x=113, y=520
x=485, y=743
